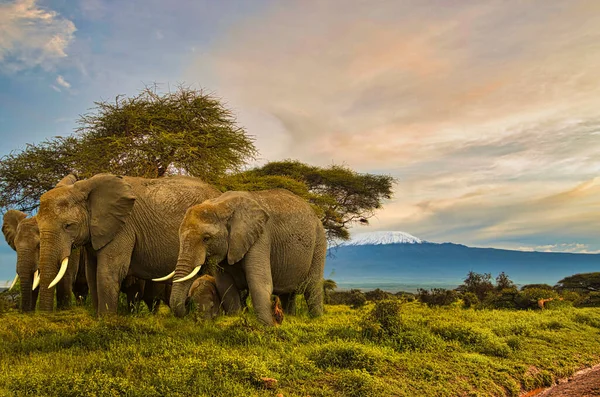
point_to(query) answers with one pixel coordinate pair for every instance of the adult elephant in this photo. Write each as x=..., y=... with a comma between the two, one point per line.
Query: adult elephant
x=22, y=235
x=270, y=242
x=128, y=225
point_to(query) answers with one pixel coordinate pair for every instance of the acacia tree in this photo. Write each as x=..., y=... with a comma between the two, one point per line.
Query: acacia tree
x=148, y=135
x=152, y=135
x=341, y=197
x=588, y=282
x=26, y=175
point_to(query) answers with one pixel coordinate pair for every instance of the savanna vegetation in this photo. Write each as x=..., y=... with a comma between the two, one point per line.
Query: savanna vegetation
x=383, y=348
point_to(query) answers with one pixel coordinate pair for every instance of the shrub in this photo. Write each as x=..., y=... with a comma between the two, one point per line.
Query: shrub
x=590, y=300
x=383, y=320
x=437, y=296
x=528, y=299
x=378, y=295
x=503, y=299
x=469, y=299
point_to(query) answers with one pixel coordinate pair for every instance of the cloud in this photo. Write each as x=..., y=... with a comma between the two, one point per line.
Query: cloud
x=563, y=247
x=62, y=82
x=32, y=36
x=483, y=111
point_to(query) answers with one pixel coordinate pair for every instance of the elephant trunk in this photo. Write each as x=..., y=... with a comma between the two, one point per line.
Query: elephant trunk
x=26, y=292
x=52, y=253
x=180, y=290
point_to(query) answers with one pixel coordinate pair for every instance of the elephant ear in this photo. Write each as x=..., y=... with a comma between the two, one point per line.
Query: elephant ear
x=110, y=200
x=11, y=221
x=67, y=180
x=246, y=224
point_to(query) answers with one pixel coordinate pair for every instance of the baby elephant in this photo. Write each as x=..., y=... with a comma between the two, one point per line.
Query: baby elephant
x=203, y=293
x=205, y=298
x=269, y=242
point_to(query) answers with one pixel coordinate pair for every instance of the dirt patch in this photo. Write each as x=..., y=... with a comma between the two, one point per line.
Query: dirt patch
x=585, y=383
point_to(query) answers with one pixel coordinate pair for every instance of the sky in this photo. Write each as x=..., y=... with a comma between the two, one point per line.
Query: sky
x=486, y=113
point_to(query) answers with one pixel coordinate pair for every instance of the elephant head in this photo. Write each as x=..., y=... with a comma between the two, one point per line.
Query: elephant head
x=23, y=236
x=204, y=295
x=222, y=229
x=73, y=214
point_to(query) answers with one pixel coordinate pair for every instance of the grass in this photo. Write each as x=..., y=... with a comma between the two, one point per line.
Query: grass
x=402, y=349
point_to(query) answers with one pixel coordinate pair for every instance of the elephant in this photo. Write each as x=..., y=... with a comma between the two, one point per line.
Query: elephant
x=22, y=235
x=152, y=293
x=269, y=241
x=205, y=297
x=128, y=225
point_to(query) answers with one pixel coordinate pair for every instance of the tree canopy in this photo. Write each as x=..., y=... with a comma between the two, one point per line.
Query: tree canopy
x=148, y=135
x=341, y=197
x=581, y=282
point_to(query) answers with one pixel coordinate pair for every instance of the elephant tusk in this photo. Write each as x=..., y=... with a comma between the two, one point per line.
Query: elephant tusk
x=36, y=280
x=192, y=274
x=61, y=272
x=13, y=282
x=165, y=278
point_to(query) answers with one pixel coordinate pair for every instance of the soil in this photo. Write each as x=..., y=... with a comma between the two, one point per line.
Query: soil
x=585, y=383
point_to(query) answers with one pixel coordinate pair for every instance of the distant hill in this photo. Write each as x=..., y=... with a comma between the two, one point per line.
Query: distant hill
x=399, y=261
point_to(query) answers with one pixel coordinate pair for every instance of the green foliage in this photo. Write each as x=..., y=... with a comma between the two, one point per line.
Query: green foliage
x=383, y=320
x=469, y=299
x=528, y=299
x=149, y=135
x=341, y=197
x=582, y=282
x=539, y=286
x=437, y=296
x=479, y=284
x=504, y=283
x=355, y=298
x=378, y=295
x=26, y=175
x=437, y=351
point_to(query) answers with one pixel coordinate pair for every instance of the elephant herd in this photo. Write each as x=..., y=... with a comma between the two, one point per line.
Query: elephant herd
x=149, y=238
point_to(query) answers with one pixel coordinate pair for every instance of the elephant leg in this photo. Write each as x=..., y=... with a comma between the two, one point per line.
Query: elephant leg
x=260, y=284
x=111, y=270
x=90, y=274
x=230, y=296
x=314, y=290
x=288, y=302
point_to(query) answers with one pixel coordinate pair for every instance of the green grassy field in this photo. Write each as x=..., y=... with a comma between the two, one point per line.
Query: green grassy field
x=420, y=352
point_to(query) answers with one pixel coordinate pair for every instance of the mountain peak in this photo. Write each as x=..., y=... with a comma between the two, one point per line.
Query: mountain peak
x=383, y=237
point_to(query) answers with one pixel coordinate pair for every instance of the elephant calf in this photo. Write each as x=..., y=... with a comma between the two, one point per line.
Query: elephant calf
x=205, y=297
x=270, y=242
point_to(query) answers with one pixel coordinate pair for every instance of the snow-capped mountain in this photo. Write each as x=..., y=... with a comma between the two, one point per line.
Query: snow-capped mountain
x=383, y=237
x=396, y=260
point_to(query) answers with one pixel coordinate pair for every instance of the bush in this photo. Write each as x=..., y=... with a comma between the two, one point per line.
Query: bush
x=437, y=296
x=355, y=298
x=378, y=295
x=528, y=299
x=469, y=299
x=503, y=299
x=383, y=320
x=590, y=300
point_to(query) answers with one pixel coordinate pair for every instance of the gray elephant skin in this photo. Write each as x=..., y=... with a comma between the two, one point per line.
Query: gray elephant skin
x=203, y=295
x=22, y=235
x=270, y=242
x=128, y=225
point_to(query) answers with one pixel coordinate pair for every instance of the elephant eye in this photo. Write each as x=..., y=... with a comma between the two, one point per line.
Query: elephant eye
x=69, y=225
x=205, y=238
